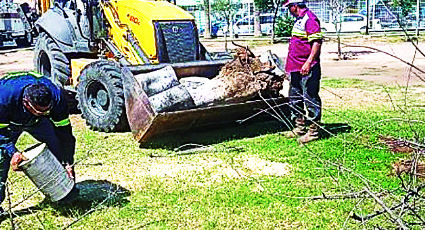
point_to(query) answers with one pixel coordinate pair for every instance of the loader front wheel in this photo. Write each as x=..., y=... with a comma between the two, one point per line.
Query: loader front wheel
x=100, y=96
x=50, y=61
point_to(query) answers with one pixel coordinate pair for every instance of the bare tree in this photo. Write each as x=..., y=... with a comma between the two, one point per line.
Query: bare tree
x=263, y=5
x=338, y=7
x=226, y=9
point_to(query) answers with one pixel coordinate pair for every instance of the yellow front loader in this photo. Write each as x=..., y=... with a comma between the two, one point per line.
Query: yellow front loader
x=97, y=49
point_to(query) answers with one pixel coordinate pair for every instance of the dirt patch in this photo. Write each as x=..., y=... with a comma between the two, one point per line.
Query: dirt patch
x=211, y=170
x=77, y=122
x=16, y=60
x=365, y=64
x=353, y=98
x=217, y=168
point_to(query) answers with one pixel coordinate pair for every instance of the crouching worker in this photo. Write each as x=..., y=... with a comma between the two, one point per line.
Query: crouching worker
x=32, y=103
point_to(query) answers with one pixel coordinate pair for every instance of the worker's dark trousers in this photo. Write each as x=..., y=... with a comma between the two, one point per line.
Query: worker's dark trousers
x=304, y=90
x=60, y=142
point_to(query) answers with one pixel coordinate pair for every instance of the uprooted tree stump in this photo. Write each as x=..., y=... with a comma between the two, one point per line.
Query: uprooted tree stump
x=246, y=76
x=241, y=79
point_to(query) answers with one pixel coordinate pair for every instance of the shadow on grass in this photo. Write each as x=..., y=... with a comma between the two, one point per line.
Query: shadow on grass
x=218, y=134
x=333, y=129
x=92, y=195
x=215, y=134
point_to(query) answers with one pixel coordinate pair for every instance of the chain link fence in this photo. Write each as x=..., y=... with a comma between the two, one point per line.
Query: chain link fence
x=353, y=15
x=382, y=16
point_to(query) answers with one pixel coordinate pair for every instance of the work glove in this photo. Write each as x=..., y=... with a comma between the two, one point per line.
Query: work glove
x=17, y=158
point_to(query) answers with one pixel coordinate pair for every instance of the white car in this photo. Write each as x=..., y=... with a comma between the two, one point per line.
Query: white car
x=245, y=26
x=350, y=23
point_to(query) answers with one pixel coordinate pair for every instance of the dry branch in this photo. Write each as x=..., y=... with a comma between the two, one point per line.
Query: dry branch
x=354, y=195
x=387, y=210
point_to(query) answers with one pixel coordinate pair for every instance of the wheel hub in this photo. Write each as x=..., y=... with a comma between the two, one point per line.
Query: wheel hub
x=98, y=98
x=102, y=97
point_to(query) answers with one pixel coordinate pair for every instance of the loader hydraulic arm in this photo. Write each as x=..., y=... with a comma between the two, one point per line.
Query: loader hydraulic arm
x=119, y=33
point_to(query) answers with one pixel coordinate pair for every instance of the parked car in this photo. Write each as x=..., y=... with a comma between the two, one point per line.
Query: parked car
x=16, y=22
x=350, y=23
x=218, y=29
x=245, y=26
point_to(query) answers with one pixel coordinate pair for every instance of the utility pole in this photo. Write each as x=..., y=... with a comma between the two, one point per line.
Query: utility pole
x=417, y=16
x=367, y=17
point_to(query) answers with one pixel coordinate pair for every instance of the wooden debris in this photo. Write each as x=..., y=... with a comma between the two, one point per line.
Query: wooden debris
x=407, y=166
x=399, y=145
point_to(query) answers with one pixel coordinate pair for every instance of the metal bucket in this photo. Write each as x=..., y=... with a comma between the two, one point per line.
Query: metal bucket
x=45, y=171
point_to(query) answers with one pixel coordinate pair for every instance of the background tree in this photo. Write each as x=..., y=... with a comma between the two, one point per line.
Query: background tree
x=339, y=7
x=226, y=9
x=257, y=25
x=206, y=6
x=405, y=5
x=284, y=26
x=267, y=5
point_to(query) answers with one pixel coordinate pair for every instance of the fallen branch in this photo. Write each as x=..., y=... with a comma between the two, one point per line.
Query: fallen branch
x=388, y=210
x=354, y=195
x=371, y=216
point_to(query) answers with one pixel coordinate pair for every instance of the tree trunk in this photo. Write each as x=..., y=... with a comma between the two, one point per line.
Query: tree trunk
x=274, y=25
x=257, y=25
x=339, y=47
x=207, y=19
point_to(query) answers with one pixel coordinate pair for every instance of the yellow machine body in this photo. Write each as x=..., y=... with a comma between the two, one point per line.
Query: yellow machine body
x=137, y=17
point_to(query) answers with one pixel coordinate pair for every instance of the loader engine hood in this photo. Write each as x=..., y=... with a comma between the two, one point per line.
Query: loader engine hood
x=165, y=32
x=151, y=10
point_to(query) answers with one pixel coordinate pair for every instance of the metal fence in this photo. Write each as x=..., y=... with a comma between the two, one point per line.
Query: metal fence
x=380, y=11
x=381, y=15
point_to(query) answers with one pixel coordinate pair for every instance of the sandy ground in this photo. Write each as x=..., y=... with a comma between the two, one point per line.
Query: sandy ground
x=363, y=63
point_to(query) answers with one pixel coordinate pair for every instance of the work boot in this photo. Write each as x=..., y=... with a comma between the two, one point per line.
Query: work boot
x=299, y=130
x=311, y=135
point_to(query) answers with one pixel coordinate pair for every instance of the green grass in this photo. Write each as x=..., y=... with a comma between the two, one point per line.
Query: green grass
x=215, y=188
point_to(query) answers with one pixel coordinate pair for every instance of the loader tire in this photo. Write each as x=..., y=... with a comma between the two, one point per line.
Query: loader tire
x=50, y=61
x=100, y=97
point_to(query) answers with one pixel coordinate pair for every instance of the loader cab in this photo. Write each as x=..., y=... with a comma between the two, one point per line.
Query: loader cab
x=177, y=41
x=90, y=17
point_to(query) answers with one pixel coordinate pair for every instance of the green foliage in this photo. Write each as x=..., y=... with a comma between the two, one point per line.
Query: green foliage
x=225, y=8
x=263, y=4
x=405, y=5
x=284, y=26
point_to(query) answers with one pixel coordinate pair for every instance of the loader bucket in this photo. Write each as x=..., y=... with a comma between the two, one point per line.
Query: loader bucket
x=207, y=69
x=202, y=117
x=146, y=123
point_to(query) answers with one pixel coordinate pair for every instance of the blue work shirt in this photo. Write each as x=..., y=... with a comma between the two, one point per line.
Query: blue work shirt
x=13, y=114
